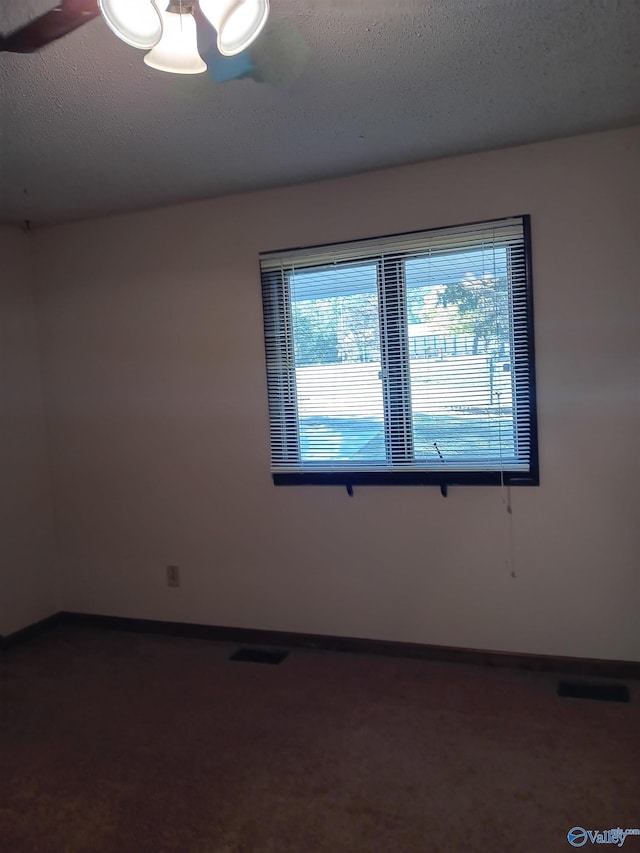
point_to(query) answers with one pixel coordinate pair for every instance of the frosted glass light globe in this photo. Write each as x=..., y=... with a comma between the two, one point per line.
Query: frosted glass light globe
x=177, y=50
x=237, y=22
x=136, y=22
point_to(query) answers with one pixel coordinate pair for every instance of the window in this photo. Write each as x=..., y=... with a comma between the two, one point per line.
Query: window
x=405, y=359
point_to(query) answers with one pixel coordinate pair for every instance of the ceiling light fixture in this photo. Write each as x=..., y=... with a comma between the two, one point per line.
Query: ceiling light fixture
x=168, y=29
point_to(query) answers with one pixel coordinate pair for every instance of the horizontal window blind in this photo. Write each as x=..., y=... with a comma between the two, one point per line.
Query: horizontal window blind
x=465, y=237
x=406, y=358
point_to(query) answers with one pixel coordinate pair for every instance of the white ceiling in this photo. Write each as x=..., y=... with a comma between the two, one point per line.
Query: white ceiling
x=89, y=129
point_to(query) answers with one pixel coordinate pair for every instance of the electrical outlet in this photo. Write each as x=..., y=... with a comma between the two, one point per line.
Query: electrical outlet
x=173, y=575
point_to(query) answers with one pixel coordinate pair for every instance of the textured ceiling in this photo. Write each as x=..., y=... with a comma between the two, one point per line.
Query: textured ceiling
x=87, y=128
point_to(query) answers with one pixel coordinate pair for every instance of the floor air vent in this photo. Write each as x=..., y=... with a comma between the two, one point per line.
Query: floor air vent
x=258, y=656
x=602, y=692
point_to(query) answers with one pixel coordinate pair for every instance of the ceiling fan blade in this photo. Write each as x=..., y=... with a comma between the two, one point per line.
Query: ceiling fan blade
x=66, y=17
x=280, y=55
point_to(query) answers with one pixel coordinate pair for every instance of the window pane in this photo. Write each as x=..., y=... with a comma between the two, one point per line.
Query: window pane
x=337, y=359
x=461, y=358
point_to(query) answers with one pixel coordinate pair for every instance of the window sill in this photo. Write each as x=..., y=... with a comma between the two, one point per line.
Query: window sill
x=407, y=478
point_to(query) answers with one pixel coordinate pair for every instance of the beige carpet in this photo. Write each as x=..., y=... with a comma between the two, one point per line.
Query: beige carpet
x=123, y=743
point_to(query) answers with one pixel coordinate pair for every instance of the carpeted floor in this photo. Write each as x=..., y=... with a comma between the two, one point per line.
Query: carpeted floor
x=122, y=743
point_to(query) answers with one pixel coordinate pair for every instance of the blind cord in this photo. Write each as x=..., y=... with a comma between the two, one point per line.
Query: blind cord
x=505, y=493
x=510, y=535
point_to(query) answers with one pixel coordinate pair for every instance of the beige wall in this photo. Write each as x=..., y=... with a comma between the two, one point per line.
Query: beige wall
x=155, y=381
x=27, y=564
